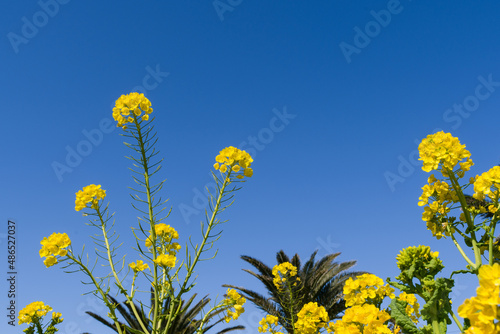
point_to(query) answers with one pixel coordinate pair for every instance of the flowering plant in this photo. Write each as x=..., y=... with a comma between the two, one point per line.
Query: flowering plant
x=477, y=215
x=158, y=261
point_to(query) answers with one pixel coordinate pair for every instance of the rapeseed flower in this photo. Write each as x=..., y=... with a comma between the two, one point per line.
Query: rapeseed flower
x=233, y=300
x=283, y=272
x=488, y=184
x=268, y=324
x=54, y=246
x=89, y=194
x=483, y=310
x=234, y=160
x=138, y=266
x=311, y=319
x=359, y=319
x=442, y=150
x=33, y=312
x=165, y=260
x=129, y=108
x=412, y=305
x=366, y=288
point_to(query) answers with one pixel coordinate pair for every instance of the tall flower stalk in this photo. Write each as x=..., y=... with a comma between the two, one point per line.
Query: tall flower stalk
x=169, y=277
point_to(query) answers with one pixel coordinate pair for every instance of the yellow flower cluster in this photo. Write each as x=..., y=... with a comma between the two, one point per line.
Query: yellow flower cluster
x=440, y=189
x=361, y=319
x=164, y=235
x=167, y=249
x=165, y=260
x=435, y=213
x=311, y=319
x=483, y=311
x=412, y=307
x=89, y=194
x=138, y=266
x=54, y=246
x=442, y=149
x=236, y=301
x=283, y=272
x=128, y=108
x=367, y=287
x=34, y=311
x=268, y=324
x=488, y=184
x=234, y=160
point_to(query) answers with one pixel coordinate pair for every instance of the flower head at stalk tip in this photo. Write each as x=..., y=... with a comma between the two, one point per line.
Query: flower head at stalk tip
x=282, y=273
x=443, y=150
x=90, y=194
x=268, y=324
x=311, y=318
x=233, y=300
x=418, y=262
x=131, y=108
x=54, y=246
x=35, y=310
x=234, y=160
x=138, y=266
x=366, y=288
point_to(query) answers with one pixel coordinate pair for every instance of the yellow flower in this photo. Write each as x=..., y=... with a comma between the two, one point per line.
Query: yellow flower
x=138, y=266
x=484, y=309
x=33, y=312
x=136, y=102
x=234, y=160
x=488, y=184
x=311, y=319
x=268, y=323
x=443, y=150
x=360, y=319
x=366, y=287
x=54, y=246
x=233, y=300
x=89, y=194
x=165, y=260
x=164, y=235
x=282, y=272
x=412, y=307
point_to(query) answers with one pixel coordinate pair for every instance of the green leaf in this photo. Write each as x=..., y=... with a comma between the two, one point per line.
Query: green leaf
x=402, y=319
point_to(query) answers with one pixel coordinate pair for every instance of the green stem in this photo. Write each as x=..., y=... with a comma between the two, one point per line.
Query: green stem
x=470, y=224
x=151, y=221
x=459, y=247
x=112, y=266
x=457, y=322
x=103, y=295
x=493, y=225
x=200, y=249
x=39, y=326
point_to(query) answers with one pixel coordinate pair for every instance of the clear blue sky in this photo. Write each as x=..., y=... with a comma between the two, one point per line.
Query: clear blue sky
x=330, y=95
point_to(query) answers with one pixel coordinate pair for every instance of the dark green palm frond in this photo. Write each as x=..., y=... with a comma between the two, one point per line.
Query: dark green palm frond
x=185, y=322
x=321, y=281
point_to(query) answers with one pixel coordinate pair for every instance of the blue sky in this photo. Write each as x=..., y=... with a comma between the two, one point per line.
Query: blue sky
x=330, y=95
